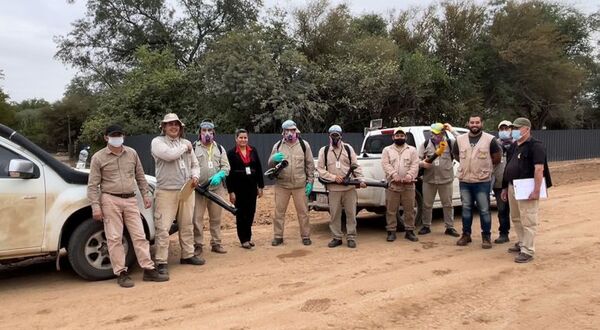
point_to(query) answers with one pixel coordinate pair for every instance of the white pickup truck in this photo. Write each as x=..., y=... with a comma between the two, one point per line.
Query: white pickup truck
x=372, y=199
x=44, y=211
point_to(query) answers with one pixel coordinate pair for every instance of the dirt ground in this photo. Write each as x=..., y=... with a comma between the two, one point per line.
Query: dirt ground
x=429, y=284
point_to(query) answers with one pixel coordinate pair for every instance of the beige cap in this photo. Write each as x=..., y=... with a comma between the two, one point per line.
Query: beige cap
x=399, y=129
x=505, y=123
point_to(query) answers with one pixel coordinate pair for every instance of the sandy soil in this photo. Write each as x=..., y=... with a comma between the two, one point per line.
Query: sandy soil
x=429, y=284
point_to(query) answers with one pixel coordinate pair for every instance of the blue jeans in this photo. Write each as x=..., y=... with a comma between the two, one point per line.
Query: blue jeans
x=503, y=213
x=471, y=193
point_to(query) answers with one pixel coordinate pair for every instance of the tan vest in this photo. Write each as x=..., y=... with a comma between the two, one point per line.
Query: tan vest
x=475, y=162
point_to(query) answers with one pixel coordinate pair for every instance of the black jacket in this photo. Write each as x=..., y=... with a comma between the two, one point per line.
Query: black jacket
x=238, y=180
x=528, y=154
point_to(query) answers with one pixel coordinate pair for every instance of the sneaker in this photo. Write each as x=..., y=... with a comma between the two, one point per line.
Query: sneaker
x=391, y=236
x=464, y=240
x=195, y=260
x=334, y=243
x=351, y=243
x=502, y=239
x=424, y=231
x=486, y=242
x=277, y=241
x=306, y=241
x=451, y=232
x=154, y=276
x=522, y=258
x=124, y=280
x=251, y=243
x=410, y=235
x=217, y=248
x=515, y=248
x=197, y=249
x=162, y=269
x=246, y=245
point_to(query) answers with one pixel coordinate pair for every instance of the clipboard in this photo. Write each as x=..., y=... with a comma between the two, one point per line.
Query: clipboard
x=524, y=187
x=187, y=190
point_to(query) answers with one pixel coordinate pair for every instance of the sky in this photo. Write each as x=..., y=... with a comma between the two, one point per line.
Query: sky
x=27, y=48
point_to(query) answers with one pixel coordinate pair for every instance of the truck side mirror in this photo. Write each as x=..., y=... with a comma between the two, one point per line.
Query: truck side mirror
x=21, y=168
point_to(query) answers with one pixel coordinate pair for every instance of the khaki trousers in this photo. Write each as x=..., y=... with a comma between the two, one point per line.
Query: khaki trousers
x=168, y=208
x=282, y=199
x=214, y=219
x=445, y=191
x=393, y=200
x=338, y=201
x=119, y=212
x=524, y=215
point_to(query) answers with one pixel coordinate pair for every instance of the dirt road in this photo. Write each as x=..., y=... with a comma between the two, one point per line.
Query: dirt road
x=429, y=284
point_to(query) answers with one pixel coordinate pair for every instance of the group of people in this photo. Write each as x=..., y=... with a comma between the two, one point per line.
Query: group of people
x=181, y=165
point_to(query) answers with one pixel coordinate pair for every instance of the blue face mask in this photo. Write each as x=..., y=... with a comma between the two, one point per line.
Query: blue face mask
x=516, y=134
x=504, y=135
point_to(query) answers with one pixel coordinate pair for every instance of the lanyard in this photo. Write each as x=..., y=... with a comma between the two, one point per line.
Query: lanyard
x=210, y=153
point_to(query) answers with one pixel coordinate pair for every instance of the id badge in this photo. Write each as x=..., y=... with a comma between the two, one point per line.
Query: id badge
x=436, y=162
x=248, y=172
x=210, y=165
x=338, y=164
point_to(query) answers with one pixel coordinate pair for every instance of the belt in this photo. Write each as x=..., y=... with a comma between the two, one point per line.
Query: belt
x=130, y=195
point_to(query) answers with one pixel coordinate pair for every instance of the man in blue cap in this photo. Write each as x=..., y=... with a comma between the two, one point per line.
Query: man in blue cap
x=295, y=181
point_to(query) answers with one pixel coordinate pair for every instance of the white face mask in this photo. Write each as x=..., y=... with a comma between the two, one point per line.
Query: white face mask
x=116, y=141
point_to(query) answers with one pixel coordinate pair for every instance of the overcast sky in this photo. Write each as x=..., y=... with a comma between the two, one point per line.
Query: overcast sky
x=27, y=49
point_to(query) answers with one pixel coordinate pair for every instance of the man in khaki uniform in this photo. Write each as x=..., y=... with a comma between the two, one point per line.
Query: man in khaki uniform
x=176, y=166
x=114, y=172
x=296, y=181
x=214, y=166
x=400, y=164
x=477, y=153
x=334, y=162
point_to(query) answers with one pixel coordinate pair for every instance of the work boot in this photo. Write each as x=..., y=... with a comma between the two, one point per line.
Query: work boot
x=124, y=280
x=195, y=260
x=451, y=232
x=486, y=242
x=351, y=243
x=410, y=235
x=218, y=248
x=522, y=258
x=464, y=240
x=503, y=238
x=334, y=243
x=162, y=269
x=277, y=241
x=515, y=248
x=246, y=245
x=424, y=231
x=306, y=241
x=197, y=249
x=391, y=236
x=251, y=243
x=154, y=276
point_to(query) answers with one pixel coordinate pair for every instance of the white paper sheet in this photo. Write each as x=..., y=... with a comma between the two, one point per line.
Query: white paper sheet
x=524, y=187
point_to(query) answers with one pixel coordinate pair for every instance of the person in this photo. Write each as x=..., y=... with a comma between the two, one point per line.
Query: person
x=334, y=163
x=114, y=173
x=214, y=165
x=477, y=153
x=438, y=177
x=505, y=141
x=244, y=183
x=526, y=159
x=295, y=181
x=400, y=163
x=176, y=166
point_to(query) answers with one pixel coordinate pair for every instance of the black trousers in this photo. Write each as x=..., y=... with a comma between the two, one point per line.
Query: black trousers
x=245, y=202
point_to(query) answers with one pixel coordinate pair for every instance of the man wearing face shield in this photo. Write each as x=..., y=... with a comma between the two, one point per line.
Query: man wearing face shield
x=477, y=153
x=295, y=181
x=505, y=140
x=214, y=167
x=526, y=159
x=334, y=163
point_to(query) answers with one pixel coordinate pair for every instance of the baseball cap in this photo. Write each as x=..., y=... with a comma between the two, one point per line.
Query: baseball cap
x=398, y=130
x=207, y=124
x=520, y=122
x=114, y=128
x=505, y=123
x=437, y=128
x=289, y=124
x=335, y=129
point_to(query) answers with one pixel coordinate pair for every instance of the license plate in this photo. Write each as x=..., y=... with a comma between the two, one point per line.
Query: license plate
x=322, y=199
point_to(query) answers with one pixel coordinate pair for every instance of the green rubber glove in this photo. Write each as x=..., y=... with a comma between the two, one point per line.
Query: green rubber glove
x=308, y=189
x=216, y=179
x=278, y=157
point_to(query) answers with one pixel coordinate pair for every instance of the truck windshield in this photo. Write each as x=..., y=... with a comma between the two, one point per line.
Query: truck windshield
x=375, y=143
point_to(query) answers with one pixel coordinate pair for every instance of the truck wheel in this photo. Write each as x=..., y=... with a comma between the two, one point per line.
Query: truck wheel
x=417, y=211
x=88, y=251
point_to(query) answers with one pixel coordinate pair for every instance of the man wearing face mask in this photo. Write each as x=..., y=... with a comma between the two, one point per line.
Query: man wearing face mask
x=295, y=181
x=214, y=166
x=114, y=173
x=477, y=153
x=505, y=140
x=335, y=160
x=526, y=159
x=400, y=163
x=438, y=176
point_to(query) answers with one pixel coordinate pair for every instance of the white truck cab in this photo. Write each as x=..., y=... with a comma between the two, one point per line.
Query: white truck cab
x=44, y=209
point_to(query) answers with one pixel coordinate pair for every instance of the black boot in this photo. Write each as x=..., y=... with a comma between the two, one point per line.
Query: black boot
x=391, y=236
x=410, y=235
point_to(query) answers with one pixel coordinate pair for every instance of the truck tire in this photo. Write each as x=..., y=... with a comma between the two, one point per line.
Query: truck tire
x=418, y=210
x=88, y=251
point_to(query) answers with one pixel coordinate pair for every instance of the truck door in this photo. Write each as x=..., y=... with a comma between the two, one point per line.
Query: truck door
x=22, y=207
